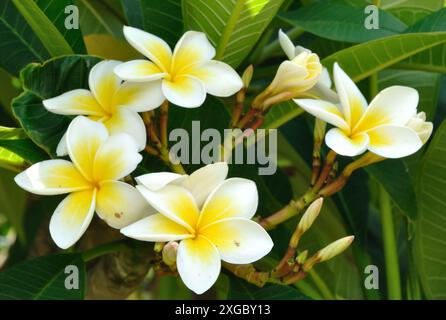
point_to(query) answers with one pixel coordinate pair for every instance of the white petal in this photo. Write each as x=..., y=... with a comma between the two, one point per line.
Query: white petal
x=339, y=142
x=204, y=180
x=74, y=102
x=353, y=102
x=393, y=141
x=157, y=228
x=394, y=106
x=323, y=110
x=116, y=158
x=139, y=97
x=103, y=82
x=139, y=71
x=52, y=177
x=325, y=78
x=151, y=46
x=185, y=91
x=72, y=217
x=290, y=77
x=235, y=197
x=157, y=180
x=219, y=78
x=198, y=264
x=286, y=44
x=239, y=240
x=129, y=122
x=119, y=204
x=62, y=150
x=192, y=48
x=175, y=202
x=84, y=137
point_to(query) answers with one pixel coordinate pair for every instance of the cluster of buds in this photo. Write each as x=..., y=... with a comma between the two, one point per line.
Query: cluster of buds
x=294, y=267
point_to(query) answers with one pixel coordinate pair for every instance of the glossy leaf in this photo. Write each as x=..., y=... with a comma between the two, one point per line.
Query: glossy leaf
x=341, y=22
x=362, y=60
x=19, y=45
x=43, y=278
x=233, y=26
x=52, y=40
x=430, y=232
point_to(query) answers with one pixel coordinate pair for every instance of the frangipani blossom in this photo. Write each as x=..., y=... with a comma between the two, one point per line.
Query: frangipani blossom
x=383, y=127
x=208, y=215
x=183, y=76
x=99, y=161
x=109, y=101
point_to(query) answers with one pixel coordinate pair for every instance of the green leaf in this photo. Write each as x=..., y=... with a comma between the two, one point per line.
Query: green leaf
x=162, y=18
x=233, y=26
x=43, y=278
x=12, y=202
x=337, y=21
x=433, y=59
x=52, y=40
x=430, y=233
x=363, y=60
x=55, y=11
x=19, y=45
x=280, y=114
x=99, y=16
x=47, y=80
x=241, y=290
x=393, y=175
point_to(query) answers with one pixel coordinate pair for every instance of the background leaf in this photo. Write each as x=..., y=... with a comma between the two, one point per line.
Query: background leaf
x=337, y=21
x=42, y=279
x=19, y=45
x=430, y=233
x=232, y=26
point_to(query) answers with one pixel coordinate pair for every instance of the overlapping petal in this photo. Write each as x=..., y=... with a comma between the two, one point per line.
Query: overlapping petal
x=175, y=202
x=119, y=204
x=74, y=102
x=184, y=90
x=342, y=144
x=239, y=240
x=151, y=46
x=325, y=111
x=129, y=122
x=139, y=71
x=235, y=197
x=116, y=158
x=139, y=97
x=52, y=177
x=84, y=137
x=198, y=264
x=156, y=227
x=352, y=101
x=72, y=217
x=103, y=82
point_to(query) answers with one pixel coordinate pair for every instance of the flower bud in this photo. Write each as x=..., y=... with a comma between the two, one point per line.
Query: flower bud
x=302, y=257
x=170, y=253
x=310, y=215
x=247, y=76
x=422, y=127
x=334, y=248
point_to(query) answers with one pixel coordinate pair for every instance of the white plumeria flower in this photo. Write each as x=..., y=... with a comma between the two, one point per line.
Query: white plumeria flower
x=303, y=73
x=114, y=103
x=91, y=179
x=184, y=76
x=209, y=215
x=380, y=127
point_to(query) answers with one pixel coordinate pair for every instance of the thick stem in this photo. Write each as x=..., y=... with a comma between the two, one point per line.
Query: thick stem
x=164, y=119
x=390, y=248
x=331, y=156
x=289, y=211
